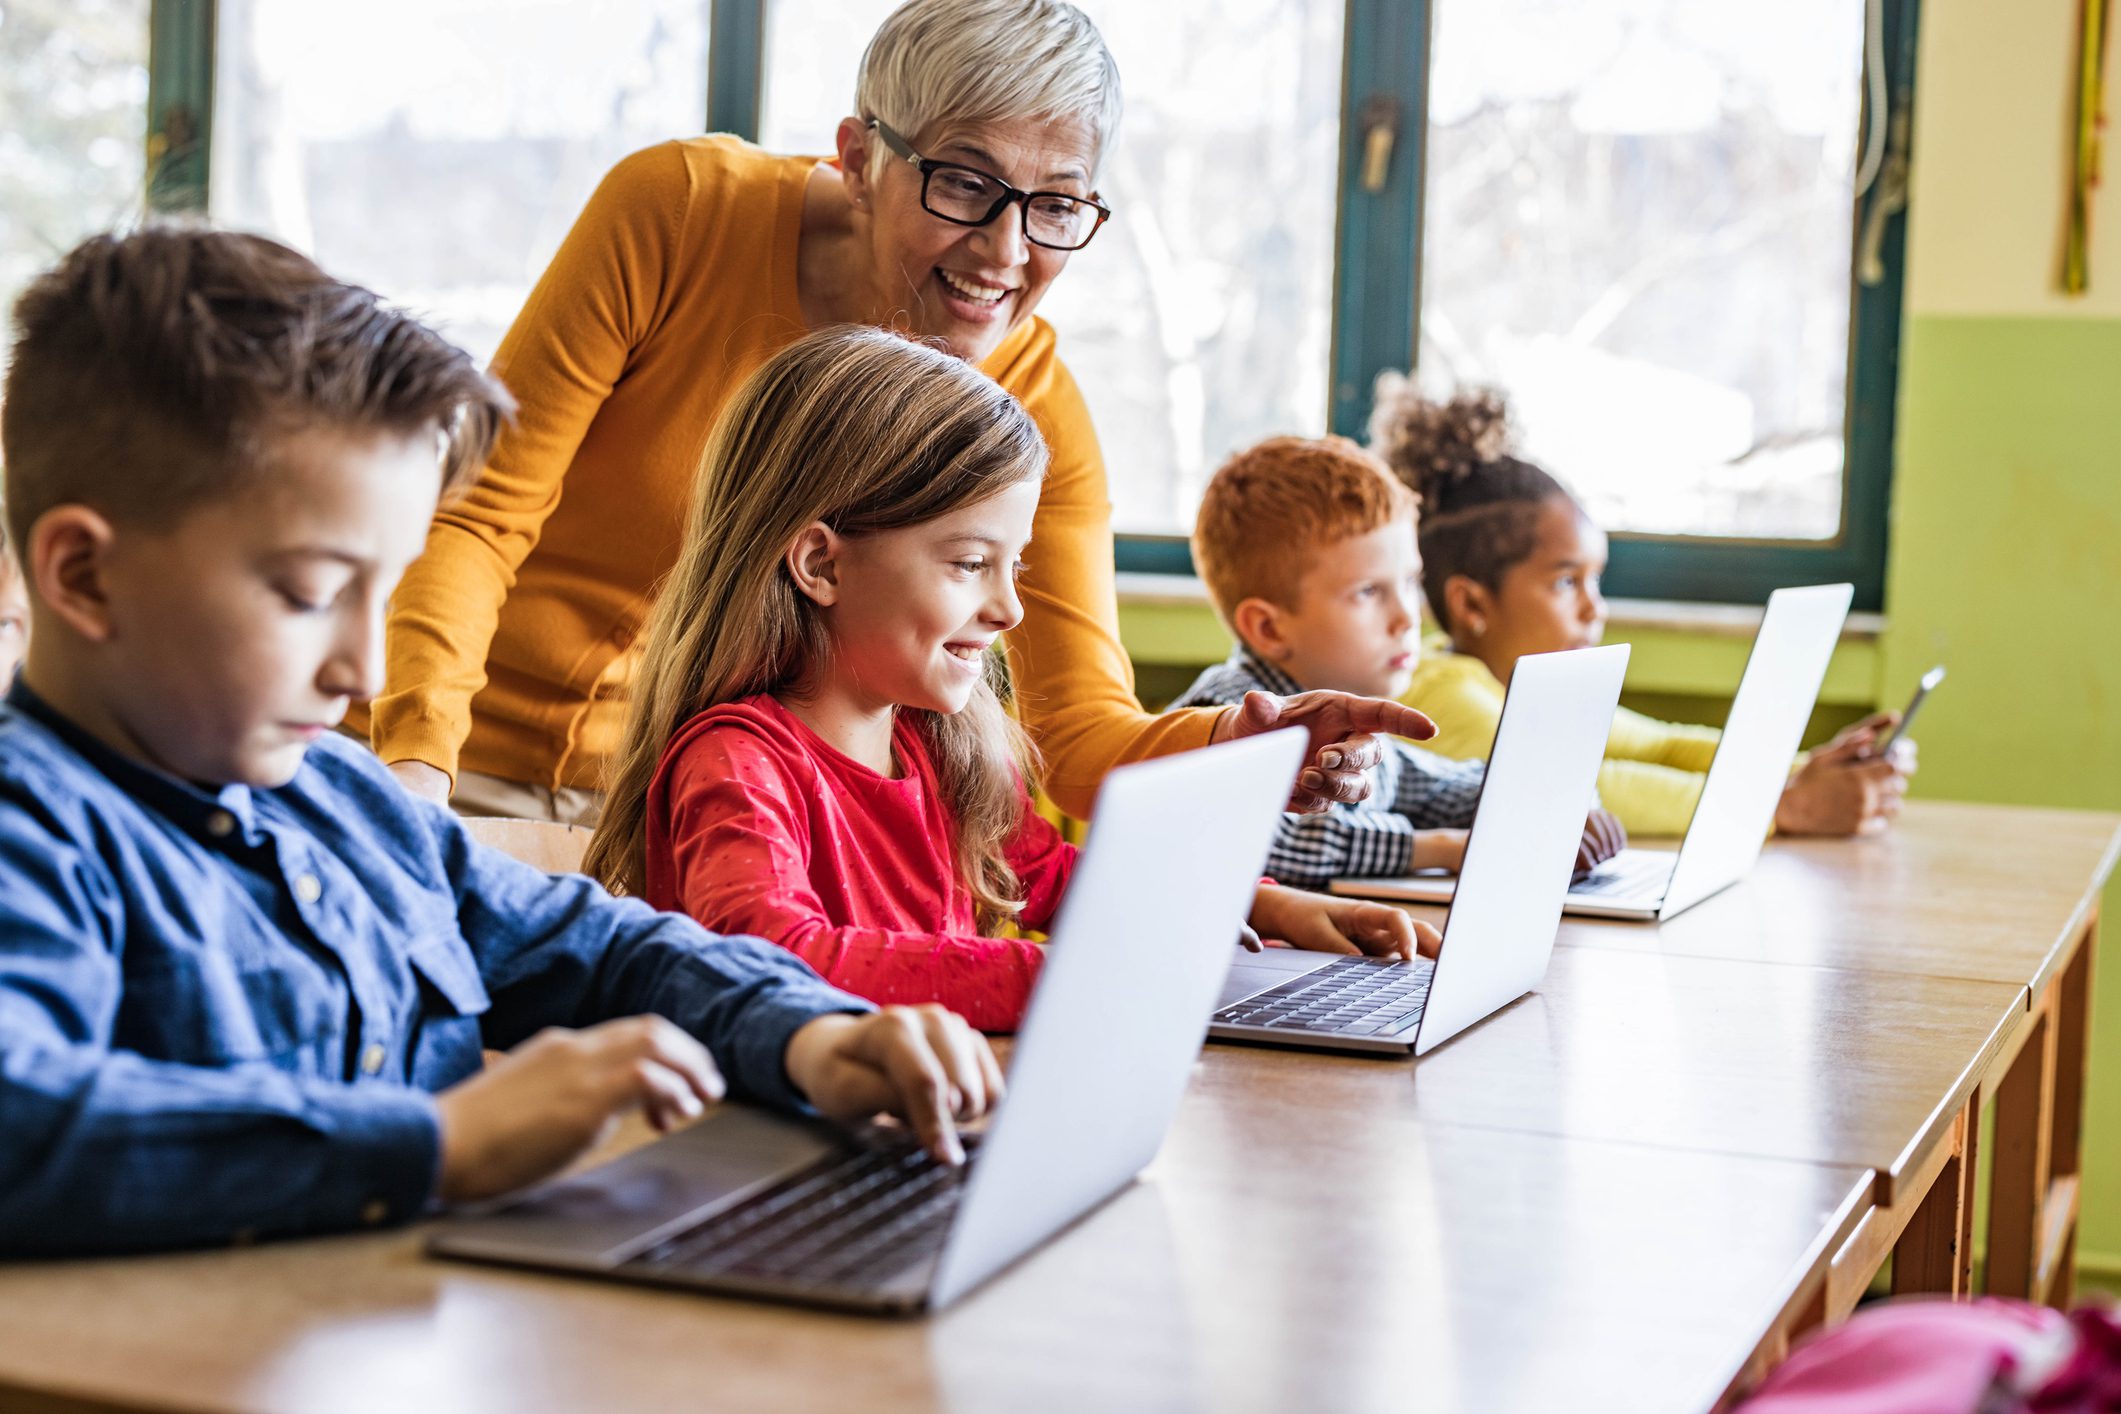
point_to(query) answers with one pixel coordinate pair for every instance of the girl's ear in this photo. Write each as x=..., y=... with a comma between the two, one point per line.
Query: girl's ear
x=813, y=562
x=65, y=564
x=1260, y=624
x=853, y=140
x=1469, y=609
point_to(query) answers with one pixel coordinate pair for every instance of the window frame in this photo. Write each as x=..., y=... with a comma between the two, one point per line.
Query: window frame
x=1376, y=277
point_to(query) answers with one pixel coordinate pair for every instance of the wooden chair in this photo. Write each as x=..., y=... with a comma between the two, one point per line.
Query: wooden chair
x=542, y=844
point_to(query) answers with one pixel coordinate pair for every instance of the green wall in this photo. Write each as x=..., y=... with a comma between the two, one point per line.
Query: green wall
x=2006, y=565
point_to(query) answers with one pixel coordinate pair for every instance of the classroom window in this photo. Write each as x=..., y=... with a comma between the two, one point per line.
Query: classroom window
x=1636, y=216
x=1638, y=224
x=73, y=129
x=438, y=150
x=1200, y=318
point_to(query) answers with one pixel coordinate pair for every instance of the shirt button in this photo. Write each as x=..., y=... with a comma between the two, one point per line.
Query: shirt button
x=372, y=1059
x=374, y=1211
x=220, y=824
x=308, y=889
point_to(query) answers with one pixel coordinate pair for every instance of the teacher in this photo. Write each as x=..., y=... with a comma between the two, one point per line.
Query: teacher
x=960, y=188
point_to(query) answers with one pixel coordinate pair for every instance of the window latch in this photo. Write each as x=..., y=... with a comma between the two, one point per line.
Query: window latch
x=1379, y=121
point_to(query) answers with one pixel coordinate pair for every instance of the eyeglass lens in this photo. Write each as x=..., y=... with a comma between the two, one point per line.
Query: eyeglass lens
x=963, y=195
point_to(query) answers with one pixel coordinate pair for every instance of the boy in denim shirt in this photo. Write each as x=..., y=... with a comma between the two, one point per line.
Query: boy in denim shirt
x=245, y=980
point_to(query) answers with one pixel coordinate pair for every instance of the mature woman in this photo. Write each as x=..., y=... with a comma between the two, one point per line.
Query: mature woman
x=966, y=178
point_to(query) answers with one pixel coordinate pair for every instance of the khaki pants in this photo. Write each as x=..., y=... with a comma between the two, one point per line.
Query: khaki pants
x=481, y=794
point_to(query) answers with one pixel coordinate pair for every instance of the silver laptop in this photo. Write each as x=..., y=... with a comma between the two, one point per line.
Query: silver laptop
x=1500, y=931
x=1737, y=806
x=756, y=1204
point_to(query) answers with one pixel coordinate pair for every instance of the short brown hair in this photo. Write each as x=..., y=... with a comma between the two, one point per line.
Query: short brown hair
x=1269, y=510
x=153, y=372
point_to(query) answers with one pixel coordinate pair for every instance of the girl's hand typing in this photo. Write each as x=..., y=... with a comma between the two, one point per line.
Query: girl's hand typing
x=1603, y=837
x=1322, y=923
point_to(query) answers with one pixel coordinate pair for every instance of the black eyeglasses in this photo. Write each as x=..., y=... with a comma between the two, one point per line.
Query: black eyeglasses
x=966, y=196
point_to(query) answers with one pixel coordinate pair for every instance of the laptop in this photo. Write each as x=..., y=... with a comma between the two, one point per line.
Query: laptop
x=1737, y=806
x=1500, y=930
x=762, y=1205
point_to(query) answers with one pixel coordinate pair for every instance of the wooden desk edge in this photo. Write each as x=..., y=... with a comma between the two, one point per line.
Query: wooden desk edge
x=2081, y=919
x=1937, y=1129
x=1803, y=1309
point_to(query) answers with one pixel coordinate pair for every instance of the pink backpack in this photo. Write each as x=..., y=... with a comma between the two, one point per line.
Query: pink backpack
x=1927, y=1356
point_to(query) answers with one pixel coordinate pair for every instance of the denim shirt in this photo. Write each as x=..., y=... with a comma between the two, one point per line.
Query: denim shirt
x=222, y=1012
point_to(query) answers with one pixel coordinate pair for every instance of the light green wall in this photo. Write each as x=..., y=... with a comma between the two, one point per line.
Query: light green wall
x=2006, y=565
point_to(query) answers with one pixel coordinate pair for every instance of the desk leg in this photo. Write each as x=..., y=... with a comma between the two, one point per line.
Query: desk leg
x=2024, y=1133
x=2055, y=1270
x=1935, y=1253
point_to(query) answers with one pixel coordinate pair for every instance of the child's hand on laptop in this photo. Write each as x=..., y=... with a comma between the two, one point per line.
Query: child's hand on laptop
x=1323, y=923
x=923, y=1064
x=1603, y=837
x=536, y=1109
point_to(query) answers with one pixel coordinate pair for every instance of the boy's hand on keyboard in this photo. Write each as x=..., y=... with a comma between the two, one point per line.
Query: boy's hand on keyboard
x=1344, y=729
x=540, y=1106
x=1603, y=837
x=1323, y=923
x=923, y=1064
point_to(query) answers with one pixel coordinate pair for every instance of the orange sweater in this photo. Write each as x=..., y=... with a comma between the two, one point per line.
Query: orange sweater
x=511, y=642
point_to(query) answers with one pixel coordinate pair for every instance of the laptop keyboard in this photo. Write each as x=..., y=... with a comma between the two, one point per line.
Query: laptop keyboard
x=849, y=1220
x=1353, y=996
x=1628, y=874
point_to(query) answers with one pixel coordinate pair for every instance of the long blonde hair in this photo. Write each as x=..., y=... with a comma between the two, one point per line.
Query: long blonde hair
x=866, y=432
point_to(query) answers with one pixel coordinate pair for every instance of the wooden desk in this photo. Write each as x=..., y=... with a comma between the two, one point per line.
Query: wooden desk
x=1632, y=1185
x=1979, y=891
x=1275, y=1259
x=1967, y=891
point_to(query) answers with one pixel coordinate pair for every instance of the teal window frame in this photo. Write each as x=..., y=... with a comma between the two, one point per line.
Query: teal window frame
x=1376, y=283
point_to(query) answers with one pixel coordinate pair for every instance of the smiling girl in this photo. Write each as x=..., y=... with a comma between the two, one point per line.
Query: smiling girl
x=816, y=752
x=1512, y=566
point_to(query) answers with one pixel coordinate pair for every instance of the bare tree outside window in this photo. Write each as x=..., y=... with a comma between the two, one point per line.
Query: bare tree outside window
x=1638, y=224
x=1200, y=318
x=73, y=129
x=438, y=150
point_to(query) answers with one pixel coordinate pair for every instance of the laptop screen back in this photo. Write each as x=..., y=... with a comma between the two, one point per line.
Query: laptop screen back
x=1542, y=776
x=1138, y=956
x=1760, y=739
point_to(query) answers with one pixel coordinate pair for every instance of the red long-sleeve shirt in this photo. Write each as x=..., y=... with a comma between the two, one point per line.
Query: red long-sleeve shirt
x=756, y=825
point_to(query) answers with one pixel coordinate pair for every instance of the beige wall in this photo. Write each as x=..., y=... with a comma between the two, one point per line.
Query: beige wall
x=1996, y=109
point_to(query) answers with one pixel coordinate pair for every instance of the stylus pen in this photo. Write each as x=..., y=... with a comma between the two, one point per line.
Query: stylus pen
x=1249, y=940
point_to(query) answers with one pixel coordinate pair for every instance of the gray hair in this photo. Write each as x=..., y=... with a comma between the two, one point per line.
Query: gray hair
x=964, y=62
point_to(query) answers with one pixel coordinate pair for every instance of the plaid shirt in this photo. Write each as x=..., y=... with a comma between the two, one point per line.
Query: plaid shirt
x=1410, y=790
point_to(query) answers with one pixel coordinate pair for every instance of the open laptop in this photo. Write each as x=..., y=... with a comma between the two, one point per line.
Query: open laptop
x=1500, y=930
x=757, y=1204
x=1737, y=806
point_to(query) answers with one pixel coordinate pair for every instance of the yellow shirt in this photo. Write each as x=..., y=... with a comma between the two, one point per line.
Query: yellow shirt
x=1653, y=770
x=511, y=642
